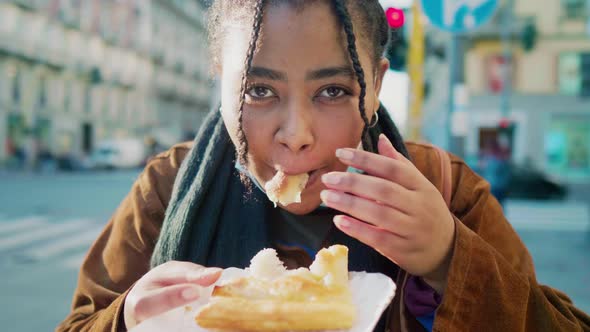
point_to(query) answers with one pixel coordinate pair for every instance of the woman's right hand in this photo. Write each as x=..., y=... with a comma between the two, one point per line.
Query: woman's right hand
x=168, y=286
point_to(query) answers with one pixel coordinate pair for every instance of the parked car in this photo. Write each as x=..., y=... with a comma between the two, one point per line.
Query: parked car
x=118, y=153
x=528, y=183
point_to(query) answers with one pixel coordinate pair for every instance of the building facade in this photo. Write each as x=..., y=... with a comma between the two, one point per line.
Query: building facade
x=550, y=80
x=75, y=72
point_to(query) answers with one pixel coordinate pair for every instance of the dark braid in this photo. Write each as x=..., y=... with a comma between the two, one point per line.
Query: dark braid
x=257, y=23
x=344, y=17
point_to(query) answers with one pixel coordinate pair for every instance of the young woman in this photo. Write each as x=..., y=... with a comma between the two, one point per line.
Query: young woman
x=300, y=86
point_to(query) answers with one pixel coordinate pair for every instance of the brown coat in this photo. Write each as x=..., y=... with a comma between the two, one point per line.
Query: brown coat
x=491, y=282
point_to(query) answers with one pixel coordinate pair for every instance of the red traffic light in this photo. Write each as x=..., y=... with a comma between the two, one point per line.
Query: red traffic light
x=504, y=123
x=395, y=17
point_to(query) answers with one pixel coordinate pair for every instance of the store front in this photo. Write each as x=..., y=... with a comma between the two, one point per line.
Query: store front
x=567, y=147
x=15, y=141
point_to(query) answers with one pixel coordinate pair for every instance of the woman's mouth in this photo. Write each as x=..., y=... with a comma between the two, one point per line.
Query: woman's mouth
x=314, y=176
x=286, y=187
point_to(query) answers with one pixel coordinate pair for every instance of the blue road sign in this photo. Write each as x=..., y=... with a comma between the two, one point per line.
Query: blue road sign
x=459, y=15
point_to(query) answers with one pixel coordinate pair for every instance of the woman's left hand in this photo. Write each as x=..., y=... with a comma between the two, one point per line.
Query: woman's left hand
x=395, y=210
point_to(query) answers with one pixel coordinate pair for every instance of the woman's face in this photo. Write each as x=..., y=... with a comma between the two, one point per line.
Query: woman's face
x=301, y=103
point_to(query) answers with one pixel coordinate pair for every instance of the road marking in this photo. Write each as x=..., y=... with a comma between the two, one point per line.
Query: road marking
x=555, y=216
x=74, y=262
x=64, y=244
x=47, y=232
x=21, y=224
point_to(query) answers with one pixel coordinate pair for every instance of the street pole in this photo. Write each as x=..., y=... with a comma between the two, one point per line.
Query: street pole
x=453, y=52
x=456, y=116
x=507, y=68
x=416, y=71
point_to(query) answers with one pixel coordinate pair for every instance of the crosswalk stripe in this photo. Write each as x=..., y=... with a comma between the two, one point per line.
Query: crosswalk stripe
x=49, y=231
x=551, y=213
x=549, y=216
x=533, y=217
x=21, y=224
x=573, y=227
x=55, y=248
x=74, y=262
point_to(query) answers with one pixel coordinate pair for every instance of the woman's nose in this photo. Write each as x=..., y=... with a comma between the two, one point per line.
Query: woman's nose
x=296, y=131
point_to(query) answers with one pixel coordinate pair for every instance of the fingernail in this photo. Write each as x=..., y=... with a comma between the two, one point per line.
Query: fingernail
x=190, y=293
x=342, y=222
x=344, y=154
x=196, y=275
x=331, y=178
x=330, y=196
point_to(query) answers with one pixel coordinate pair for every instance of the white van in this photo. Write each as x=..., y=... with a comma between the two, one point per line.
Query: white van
x=119, y=153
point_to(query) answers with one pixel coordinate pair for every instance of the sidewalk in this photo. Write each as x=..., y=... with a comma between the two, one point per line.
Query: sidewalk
x=579, y=193
x=557, y=234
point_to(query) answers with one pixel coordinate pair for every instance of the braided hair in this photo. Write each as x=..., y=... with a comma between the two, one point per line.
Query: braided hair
x=345, y=20
x=372, y=26
x=242, y=141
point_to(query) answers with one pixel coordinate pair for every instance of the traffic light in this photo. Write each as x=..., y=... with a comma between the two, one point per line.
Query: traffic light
x=397, y=51
x=504, y=123
x=529, y=36
x=395, y=17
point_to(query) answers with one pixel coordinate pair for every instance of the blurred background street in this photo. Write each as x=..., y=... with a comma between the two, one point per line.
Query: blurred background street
x=91, y=89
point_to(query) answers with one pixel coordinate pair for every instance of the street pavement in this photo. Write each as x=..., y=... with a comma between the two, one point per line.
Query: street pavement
x=557, y=235
x=48, y=222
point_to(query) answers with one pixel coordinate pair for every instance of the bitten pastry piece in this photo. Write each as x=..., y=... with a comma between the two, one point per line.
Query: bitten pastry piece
x=274, y=299
x=286, y=189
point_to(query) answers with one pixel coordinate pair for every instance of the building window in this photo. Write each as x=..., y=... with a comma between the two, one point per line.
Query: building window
x=16, y=93
x=67, y=96
x=42, y=92
x=57, y=95
x=574, y=74
x=496, y=69
x=574, y=9
x=88, y=99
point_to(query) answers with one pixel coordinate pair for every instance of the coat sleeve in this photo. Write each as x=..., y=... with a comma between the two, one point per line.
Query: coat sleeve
x=491, y=283
x=121, y=254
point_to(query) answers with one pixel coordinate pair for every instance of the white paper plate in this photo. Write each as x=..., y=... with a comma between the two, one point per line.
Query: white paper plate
x=371, y=295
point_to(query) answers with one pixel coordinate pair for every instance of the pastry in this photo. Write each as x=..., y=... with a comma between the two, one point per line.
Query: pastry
x=286, y=189
x=271, y=298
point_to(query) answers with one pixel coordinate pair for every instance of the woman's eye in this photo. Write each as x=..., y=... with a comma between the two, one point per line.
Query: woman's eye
x=260, y=92
x=333, y=92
